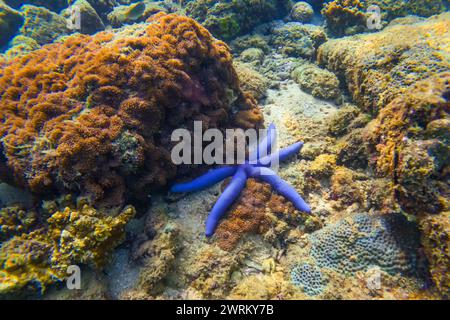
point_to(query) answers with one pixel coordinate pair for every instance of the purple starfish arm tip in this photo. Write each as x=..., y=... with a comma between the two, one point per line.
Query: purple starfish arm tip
x=208, y=179
x=227, y=197
x=282, y=154
x=265, y=146
x=280, y=186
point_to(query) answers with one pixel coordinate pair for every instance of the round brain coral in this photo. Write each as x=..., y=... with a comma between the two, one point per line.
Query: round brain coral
x=94, y=114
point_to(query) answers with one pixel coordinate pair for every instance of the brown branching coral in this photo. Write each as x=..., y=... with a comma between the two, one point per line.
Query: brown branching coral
x=95, y=114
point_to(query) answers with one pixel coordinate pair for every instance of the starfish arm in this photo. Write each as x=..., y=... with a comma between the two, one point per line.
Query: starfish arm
x=280, y=186
x=266, y=144
x=227, y=197
x=208, y=179
x=282, y=154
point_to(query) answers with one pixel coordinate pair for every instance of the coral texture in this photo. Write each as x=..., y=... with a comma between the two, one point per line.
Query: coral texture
x=79, y=235
x=95, y=114
x=42, y=25
x=229, y=19
x=298, y=40
x=359, y=243
x=321, y=83
x=302, y=12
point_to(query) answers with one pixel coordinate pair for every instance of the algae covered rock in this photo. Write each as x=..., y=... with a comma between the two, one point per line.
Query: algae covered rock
x=436, y=240
x=319, y=82
x=251, y=80
x=229, y=19
x=10, y=22
x=379, y=66
x=302, y=12
x=298, y=40
x=42, y=25
x=346, y=17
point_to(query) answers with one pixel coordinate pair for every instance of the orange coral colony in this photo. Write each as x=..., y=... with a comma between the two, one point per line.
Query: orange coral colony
x=96, y=113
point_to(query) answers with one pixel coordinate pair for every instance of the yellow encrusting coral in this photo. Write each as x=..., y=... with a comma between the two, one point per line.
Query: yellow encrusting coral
x=78, y=235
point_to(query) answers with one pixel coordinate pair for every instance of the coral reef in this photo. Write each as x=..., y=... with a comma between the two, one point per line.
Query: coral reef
x=359, y=243
x=298, y=40
x=229, y=19
x=78, y=235
x=10, y=22
x=319, y=82
x=309, y=279
x=302, y=12
x=15, y=220
x=247, y=216
x=379, y=66
x=83, y=113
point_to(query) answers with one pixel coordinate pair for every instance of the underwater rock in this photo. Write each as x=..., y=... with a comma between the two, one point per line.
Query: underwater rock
x=102, y=7
x=256, y=41
x=229, y=19
x=90, y=21
x=347, y=17
x=298, y=40
x=53, y=5
x=91, y=94
x=377, y=67
x=158, y=254
x=436, y=242
x=398, y=143
x=344, y=17
x=79, y=235
x=301, y=12
x=253, y=56
x=404, y=104
x=10, y=22
x=251, y=80
x=319, y=82
x=42, y=25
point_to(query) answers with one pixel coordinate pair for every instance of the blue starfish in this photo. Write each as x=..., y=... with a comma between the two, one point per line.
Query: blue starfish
x=240, y=175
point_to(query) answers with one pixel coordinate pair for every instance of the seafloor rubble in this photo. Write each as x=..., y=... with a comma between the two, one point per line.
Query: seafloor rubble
x=86, y=123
